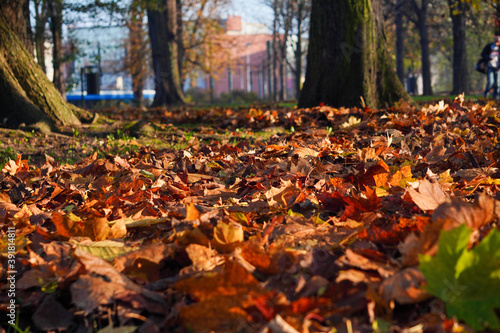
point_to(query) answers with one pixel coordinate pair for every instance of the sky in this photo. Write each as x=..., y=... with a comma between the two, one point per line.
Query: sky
x=253, y=11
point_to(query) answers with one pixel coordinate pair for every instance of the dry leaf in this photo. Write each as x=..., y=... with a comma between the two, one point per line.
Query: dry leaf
x=455, y=212
x=429, y=195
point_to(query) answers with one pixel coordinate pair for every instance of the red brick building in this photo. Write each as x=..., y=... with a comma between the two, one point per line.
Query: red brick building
x=249, y=67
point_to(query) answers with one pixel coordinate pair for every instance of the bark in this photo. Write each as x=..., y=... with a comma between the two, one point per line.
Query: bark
x=460, y=68
x=18, y=15
x=275, y=71
x=298, y=56
x=348, y=57
x=41, y=18
x=497, y=18
x=56, y=23
x=26, y=94
x=164, y=46
x=424, y=44
x=400, y=67
x=138, y=51
x=282, y=75
x=180, y=42
x=302, y=17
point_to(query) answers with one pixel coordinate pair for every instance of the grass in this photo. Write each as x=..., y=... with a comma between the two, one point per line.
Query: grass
x=436, y=98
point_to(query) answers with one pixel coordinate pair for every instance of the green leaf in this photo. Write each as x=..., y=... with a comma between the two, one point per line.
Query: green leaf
x=467, y=281
x=122, y=329
x=147, y=174
x=107, y=249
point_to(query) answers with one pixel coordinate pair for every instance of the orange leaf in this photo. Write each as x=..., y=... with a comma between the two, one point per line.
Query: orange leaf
x=192, y=214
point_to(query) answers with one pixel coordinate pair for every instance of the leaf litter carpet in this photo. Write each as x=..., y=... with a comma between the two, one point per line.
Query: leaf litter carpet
x=348, y=220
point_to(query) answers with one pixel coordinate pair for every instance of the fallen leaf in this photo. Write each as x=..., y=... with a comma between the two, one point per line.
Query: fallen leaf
x=455, y=212
x=405, y=287
x=429, y=195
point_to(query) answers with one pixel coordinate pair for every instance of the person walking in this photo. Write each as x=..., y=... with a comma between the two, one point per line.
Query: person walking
x=491, y=52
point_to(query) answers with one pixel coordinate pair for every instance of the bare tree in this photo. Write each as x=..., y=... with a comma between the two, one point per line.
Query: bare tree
x=137, y=58
x=56, y=25
x=420, y=10
x=290, y=23
x=41, y=19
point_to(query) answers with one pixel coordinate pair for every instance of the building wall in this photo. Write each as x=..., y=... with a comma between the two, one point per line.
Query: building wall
x=249, y=66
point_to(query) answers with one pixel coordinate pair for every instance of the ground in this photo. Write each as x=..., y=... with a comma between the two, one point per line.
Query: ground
x=260, y=218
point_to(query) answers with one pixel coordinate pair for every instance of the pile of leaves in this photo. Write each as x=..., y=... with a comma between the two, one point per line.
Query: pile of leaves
x=350, y=219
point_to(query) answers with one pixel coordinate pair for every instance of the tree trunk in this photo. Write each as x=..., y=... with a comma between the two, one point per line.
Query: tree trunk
x=17, y=14
x=348, y=57
x=164, y=46
x=137, y=55
x=298, y=55
x=424, y=45
x=181, y=52
x=26, y=94
x=400, y=52
x=41, y=18
x=56, y=23
x=460, y=71
x=282, y=74
x=275, y=52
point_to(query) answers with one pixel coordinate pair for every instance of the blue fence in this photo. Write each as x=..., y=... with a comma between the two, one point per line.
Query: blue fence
x=105, y=97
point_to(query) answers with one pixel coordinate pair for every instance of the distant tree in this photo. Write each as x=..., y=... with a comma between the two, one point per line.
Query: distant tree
x=394, y=11
x=41, y=19
x=458, y=11
x=347, y=58
x=290, y=24
x=204, y=42
x=418, y=13
x=400, y=67
x=163, y=34
x=281, y=29
x=302, y=9
x=138, y=52
x=56, y=28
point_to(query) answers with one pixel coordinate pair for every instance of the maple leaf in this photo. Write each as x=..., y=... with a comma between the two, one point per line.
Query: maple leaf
x=467, y=281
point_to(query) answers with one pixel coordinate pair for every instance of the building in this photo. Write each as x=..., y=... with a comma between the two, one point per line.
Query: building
x=100, y=65
x=250, y=66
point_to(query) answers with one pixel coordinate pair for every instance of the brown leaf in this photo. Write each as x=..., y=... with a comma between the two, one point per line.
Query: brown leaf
x=118, y=230
x=234, y=279
x=356, y=260
x=404, y=287
x=455, y=212
x=429, y=195
x=145, y=264
x=96, y=228
x=203, y=258
x=104, y=285
x=51, y=315
x=221, y=298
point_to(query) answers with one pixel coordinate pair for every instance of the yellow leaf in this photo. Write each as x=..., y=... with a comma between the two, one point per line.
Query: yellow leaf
x=228, y=233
